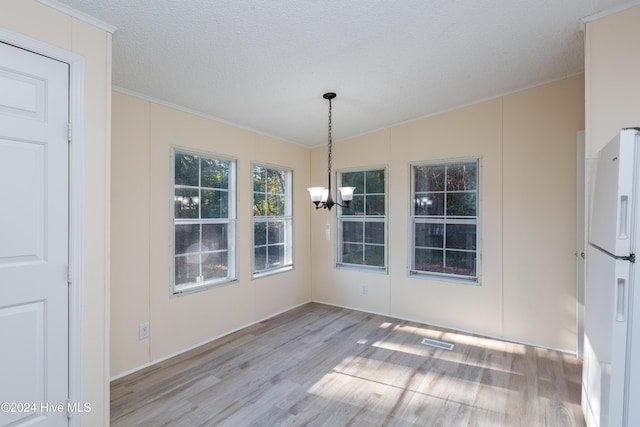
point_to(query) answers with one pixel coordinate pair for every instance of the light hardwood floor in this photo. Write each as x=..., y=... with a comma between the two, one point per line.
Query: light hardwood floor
x=319, y=365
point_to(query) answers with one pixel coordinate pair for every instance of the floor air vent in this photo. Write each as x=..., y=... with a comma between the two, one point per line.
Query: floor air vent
x=436, y=343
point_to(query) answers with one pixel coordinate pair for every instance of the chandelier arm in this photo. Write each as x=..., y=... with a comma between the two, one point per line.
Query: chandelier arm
x=329, y=204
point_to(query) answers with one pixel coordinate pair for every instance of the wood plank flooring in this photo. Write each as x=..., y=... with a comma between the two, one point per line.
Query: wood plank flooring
x=318, y=365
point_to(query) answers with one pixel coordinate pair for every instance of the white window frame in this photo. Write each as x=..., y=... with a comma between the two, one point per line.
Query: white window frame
x=231, y=221
x=340, y=218
x=444, y=220
x=286, y=220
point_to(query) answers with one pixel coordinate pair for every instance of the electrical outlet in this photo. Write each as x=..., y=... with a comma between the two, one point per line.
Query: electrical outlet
x=364, y=289
x=143, y=331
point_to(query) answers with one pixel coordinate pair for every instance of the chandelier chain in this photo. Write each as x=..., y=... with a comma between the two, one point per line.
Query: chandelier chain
x=321, y=196
x=330, y=138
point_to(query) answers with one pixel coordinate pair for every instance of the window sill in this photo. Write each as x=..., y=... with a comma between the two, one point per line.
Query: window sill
x=272, y=272
x=445, y=278
x=362, y=268
x=203, y=287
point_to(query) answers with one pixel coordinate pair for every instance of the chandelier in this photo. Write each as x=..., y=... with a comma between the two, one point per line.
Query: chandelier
x=321, y=196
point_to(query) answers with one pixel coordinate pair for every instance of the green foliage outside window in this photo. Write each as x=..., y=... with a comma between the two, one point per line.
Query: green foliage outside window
x=268, y=191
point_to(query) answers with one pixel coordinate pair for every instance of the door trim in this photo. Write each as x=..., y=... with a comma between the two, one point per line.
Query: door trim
x=76, y=201
x=581, y=238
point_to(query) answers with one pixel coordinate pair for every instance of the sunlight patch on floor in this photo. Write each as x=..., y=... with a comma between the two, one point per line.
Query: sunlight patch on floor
x=404, y=348
x=357, y=379
x=486, y=343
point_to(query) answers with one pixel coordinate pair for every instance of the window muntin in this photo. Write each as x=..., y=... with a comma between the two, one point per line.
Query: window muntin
x=362, y=227
x=272, y=220
x=203, y=218
x=444, y=219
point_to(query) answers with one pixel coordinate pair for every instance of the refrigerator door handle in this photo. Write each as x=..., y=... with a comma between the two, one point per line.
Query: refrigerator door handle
x=623, y=227
x=621, y=299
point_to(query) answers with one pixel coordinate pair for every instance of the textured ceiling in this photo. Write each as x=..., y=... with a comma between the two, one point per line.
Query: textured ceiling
x=264, y=64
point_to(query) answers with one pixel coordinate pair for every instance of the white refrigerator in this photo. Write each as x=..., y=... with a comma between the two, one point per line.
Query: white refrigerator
x=611, y=365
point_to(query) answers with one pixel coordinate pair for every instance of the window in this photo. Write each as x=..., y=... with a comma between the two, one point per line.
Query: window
x=203, y=221
x=272, y=240
x=362, y=227
x=445, y=219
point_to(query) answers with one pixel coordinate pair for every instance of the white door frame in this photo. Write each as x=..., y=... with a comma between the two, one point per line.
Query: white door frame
x=581, y=239
x=76, y=201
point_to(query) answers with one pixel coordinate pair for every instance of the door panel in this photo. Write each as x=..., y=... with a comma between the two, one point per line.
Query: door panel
x=23, y=220
x=26, y=353
x=23, y=95
x=633, y=397
x=611, y=196
x=34, y=111
x=605, y=329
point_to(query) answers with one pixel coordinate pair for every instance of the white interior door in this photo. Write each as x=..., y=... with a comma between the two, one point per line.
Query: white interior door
x=34, y=238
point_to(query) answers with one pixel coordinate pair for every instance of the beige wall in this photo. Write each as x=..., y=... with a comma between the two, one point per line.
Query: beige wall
x=143, y=133
x=44, y=24
x=130, y=187
x=612, y=73
x=526, y=143
x=539, y=208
